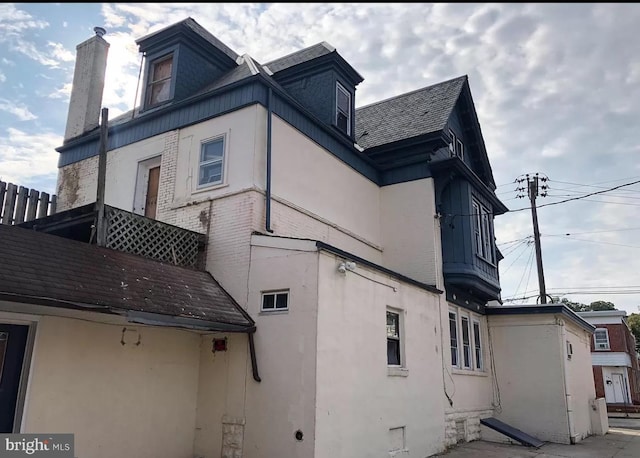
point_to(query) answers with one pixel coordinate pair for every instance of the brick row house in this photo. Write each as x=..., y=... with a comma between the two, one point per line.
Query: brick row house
x=614, y=358
x=349, y=254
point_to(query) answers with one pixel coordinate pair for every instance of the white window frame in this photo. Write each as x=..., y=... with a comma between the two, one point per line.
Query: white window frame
x=275, y=294
x=341, y=88
x=483, y=231
x=452, y=145
x=456, y=339
x=467, y=356
x=595, y=341
x=476, y=365
x=399, y=339
x=459, y=149
x=223, y=161
x=478, y=350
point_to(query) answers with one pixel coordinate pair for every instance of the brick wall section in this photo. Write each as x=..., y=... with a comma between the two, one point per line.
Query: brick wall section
x=166, y=188
x=618, y=339
x=78, y=183
x=232, y=437
x=597, y=378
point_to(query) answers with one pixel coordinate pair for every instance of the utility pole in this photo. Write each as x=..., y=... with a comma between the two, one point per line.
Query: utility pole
x=533, y=189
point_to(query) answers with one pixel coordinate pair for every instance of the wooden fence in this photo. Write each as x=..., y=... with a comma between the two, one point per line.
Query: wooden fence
x=19, y=204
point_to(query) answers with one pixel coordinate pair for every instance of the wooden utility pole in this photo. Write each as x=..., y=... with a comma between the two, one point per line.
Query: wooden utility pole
x=101, y=224
x=533, y=189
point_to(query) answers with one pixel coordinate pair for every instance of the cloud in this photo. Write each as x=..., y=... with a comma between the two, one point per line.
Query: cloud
x=28, y=158
x=17, y=109
x=63, y=92
x=3, y=77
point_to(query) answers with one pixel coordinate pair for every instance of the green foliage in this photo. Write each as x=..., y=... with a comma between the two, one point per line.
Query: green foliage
x=601, y=305
x=634, y=324
x=594, y=306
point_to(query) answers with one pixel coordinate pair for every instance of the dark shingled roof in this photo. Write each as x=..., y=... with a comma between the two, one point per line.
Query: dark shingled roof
x=192, y=25
x=408, y=115
x=49, y=270
x=299, y=57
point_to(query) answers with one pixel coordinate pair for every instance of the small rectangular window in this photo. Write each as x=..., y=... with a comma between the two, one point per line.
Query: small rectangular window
x=459, y=149
x=393, y=339
x=276, y=300
x=211, y=165
x=466, y=344
x=452, y=145
x=477, y=342
x=343, y=109
x=159, y=80
x=483, y=232
x=453, y=335
x=601, y=339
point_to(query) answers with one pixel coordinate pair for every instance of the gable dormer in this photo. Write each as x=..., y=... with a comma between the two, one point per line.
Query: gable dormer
x=180, y=60
x=323, y=82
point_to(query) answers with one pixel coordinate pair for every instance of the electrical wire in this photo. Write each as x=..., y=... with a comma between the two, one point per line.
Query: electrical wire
x=528, y=245
x=524, y=272
x=591, y=241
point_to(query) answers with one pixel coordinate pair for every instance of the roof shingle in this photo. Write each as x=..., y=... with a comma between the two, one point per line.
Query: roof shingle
x=49, y=268
x=408, y=115
x=298, y=57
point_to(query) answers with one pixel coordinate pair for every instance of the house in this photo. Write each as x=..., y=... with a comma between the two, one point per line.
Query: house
x=614, y=358
x=358, y=244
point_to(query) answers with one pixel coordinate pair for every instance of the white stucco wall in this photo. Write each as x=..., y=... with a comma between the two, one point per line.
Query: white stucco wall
x=306, y=176
x=221, y=391
x=118, y=400
x=409, y=227
x=581, y=391
x=358, y=401
x=284, y=401
x=529, y=372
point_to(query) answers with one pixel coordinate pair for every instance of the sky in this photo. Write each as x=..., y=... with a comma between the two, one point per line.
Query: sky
x=556, y=88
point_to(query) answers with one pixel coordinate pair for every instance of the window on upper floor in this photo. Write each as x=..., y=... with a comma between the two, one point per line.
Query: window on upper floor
x=394, y=344
x=483, y=232
x=601, y=339
x=159, y=81
x=343, y=109
x=465, y=336
x=211, y=164
x=275, y=301
x=456, y=147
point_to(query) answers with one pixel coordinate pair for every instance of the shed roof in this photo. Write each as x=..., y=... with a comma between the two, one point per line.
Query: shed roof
x=49, y=270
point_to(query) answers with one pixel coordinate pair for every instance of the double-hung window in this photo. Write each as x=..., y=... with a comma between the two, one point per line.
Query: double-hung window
x=483, y=231
x=394, y=358
x=453, y=334
x=465, y=335
x=456, y=147
x=159, y=80
x=211, y=165
x=601, y=339
x=343, y=109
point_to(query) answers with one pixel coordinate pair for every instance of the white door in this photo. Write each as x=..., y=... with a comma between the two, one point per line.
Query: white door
x=615, y=388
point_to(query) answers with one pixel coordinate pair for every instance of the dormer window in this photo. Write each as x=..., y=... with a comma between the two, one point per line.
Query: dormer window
x=343, y=109
x=159, y=82
x=456, y=147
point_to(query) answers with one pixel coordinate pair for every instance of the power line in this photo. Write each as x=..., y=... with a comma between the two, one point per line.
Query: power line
x=595, y=241
x=528, y=245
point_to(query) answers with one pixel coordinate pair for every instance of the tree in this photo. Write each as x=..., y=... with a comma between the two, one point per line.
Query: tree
x=634, y=323
x=601, y=305
x=575, y=306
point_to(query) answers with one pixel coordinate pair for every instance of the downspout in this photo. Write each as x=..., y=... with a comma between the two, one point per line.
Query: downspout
x=268, y=190
x=565, y=376
x=252, y=351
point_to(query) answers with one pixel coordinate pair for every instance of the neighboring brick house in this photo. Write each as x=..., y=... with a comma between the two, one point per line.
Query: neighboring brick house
x=614, y=358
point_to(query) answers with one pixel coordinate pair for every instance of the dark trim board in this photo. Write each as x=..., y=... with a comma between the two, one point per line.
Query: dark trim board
x=541, y=309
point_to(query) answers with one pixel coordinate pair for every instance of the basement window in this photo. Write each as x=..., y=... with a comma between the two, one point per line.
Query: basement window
x=159, y=81
x=275, y=301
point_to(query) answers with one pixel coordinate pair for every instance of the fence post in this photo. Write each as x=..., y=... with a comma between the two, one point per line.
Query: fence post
x=21, y=205
x=9, y=204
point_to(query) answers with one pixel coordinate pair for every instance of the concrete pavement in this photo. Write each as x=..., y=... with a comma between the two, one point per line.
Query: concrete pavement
x=622, y=441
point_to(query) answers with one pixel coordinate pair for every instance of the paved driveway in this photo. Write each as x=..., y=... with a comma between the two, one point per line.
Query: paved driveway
x=622, y=441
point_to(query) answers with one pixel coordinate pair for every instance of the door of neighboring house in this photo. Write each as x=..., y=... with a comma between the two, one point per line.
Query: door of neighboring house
x=615, y=388
x=152, y=193
x=13, y=340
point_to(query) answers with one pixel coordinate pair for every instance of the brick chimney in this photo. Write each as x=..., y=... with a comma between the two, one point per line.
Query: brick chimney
x=88, y=83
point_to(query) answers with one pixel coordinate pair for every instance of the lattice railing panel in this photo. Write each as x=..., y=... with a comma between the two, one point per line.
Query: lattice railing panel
x=150, y=238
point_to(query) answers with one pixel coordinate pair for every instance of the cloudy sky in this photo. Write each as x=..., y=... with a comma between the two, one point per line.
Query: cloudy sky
x=556, y=87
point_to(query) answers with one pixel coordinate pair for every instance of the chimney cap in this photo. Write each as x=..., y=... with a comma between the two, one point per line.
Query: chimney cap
x=99, y=31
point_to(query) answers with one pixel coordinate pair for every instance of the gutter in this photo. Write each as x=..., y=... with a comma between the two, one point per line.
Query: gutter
x=268, y=187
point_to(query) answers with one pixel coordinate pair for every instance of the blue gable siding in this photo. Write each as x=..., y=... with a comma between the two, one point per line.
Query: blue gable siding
x=314, y=93
x=155, y=123
x=193, y=73
x=455, y=124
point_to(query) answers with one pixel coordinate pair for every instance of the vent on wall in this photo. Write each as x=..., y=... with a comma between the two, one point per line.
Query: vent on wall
x=569, y=350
